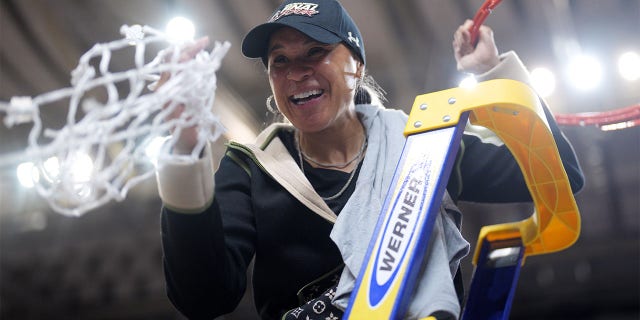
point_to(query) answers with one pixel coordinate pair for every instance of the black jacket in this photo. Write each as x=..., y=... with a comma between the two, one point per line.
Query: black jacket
x=207, y=254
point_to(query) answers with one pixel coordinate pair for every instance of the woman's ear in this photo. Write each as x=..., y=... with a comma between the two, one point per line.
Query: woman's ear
x=360, y=70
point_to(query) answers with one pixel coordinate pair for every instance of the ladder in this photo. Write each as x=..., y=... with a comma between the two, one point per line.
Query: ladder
x=513, y=112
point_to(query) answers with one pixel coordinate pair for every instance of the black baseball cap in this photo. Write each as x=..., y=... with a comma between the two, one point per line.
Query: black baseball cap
x=325, y=21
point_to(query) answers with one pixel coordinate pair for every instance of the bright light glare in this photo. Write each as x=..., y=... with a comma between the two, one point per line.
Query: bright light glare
x=180, y=30
x=585, y=72
x=543, y=81
x=152, y=151
x=81, y=164
x=51, y=169
x=629, y=66
x=617, y=126
x=468, y=82
x=28, y=174
x=82, y=167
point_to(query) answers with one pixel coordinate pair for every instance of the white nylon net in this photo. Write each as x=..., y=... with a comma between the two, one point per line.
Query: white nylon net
x=113, y=135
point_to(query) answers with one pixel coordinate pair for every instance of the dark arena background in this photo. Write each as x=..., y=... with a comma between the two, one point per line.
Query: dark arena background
x=106, y=264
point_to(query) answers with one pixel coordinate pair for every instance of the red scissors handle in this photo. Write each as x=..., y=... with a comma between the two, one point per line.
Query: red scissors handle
x=480, y=16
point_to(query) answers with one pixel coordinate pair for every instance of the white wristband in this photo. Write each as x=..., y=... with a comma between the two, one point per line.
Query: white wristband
x=187, y=188
x=510, y=67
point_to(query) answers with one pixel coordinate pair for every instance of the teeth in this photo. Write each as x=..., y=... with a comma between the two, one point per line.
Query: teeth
x=306, y=94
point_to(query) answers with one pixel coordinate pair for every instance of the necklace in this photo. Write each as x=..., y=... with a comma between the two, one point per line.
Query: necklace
x=330, y=165
x=333, y=166
x=359, y=157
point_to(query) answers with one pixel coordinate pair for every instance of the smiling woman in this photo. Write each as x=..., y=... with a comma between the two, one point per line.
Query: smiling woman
x=304, y=198
x=314, y=85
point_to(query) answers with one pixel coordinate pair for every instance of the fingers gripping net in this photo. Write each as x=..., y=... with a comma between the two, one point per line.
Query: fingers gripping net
x=113, y=132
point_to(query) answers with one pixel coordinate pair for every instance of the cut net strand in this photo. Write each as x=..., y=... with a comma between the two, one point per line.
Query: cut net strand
x=113, y=134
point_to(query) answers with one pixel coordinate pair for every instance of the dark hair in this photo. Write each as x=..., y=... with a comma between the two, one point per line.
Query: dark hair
x=369, y=91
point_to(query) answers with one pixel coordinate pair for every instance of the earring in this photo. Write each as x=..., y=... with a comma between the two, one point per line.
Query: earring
x=360, y=81
x=361, y=76
x=270, y=107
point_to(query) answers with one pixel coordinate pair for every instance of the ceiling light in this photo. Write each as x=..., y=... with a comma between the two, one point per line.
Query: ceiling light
x=543, y=81
x=629, y=66
x=468, y=82
x=180, y=30
x=82, y=166
x=51, y=168
x=585, y=72
x=28, y=174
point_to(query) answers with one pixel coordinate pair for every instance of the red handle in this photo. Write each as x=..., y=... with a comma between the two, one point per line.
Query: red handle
x=480, y=17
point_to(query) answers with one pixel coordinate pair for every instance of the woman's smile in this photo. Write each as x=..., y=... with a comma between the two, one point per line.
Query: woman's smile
x=306, y=98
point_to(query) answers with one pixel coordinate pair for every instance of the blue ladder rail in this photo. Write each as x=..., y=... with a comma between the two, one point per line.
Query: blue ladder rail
x=494, y=280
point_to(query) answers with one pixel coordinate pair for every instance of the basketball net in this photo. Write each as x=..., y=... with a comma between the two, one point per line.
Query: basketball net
x=116, y=132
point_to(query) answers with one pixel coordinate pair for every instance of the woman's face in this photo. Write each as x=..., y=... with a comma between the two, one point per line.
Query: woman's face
x=313, y=83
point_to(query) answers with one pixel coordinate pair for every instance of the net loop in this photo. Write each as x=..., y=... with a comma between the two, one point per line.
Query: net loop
x=100, y=152
x=23, y=110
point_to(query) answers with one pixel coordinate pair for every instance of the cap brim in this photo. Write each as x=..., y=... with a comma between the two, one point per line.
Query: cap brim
x=255, y=43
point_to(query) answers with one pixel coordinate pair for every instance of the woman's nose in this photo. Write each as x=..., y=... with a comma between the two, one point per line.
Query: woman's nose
x=299, y=71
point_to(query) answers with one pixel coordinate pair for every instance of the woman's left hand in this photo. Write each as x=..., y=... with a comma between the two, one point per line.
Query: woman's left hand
x=479, y=59
x=189, y=135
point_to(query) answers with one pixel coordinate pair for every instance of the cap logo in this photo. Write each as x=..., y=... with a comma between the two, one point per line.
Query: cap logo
x=354, y=39
x=297, y=8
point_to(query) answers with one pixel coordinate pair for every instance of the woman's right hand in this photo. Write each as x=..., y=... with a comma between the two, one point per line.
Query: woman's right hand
x=188, y=136
x=475, y=59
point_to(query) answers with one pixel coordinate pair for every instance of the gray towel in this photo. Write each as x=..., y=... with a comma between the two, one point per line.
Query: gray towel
x=352, y=231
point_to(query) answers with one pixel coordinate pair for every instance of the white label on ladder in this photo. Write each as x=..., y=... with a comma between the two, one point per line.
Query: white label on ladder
x=415, y=187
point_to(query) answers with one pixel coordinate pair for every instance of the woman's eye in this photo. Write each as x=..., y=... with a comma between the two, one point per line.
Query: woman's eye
x=316, y=51
x=279, y=59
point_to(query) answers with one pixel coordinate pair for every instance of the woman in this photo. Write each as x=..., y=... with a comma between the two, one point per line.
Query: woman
x=277, y=200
